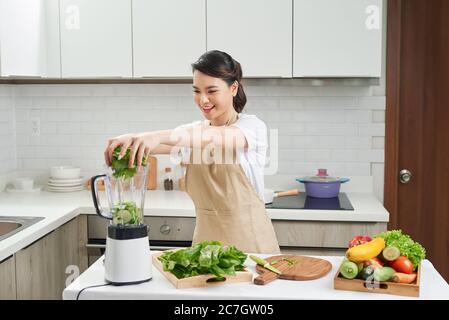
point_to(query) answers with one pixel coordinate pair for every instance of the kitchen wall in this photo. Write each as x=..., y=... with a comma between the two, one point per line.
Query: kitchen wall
x=335, y=124
x=8, y=162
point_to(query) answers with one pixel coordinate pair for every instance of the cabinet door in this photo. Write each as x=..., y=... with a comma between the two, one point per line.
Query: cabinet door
x=168, y=36
x=96, y=38
x=337, y=38
x=8, y=279
x=43, y=268
x=29, y=38
x=257, y=33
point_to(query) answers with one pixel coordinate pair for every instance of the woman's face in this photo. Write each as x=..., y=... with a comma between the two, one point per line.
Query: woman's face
x=213, y=95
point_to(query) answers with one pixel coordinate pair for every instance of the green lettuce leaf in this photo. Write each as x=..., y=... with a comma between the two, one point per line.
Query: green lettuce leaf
x=206, y=257
x=414, y=251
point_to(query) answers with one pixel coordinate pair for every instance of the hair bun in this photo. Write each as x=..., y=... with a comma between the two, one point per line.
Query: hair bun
x=237, y=70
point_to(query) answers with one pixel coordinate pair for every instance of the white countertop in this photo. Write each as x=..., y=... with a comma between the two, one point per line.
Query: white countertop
x=432, y=286
x=59, y=208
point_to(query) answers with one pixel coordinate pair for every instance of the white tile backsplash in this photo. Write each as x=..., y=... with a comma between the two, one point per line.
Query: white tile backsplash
x=378, y=142
x=339, y=127
x=379, y=116
x=8, y=158
x=377, y=129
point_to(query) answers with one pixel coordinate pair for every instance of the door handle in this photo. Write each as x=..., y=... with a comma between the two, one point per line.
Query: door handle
x=405, y=176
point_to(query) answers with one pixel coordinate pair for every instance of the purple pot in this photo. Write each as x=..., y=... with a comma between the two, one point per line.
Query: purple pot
x=322, y=186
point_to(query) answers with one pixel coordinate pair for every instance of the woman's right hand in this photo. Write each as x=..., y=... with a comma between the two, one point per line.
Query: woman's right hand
x=129, y=140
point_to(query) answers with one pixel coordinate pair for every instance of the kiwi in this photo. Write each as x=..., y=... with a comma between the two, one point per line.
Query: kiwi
x=391, y=253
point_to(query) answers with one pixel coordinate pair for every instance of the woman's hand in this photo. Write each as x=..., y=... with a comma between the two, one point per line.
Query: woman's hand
x=130, y=140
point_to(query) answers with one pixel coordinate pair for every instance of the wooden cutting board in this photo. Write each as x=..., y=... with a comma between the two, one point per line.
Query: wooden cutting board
x=203, y=280
x=152, y=173
x=295, y=268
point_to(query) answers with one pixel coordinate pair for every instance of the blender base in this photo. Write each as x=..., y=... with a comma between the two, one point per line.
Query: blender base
x=127, y=261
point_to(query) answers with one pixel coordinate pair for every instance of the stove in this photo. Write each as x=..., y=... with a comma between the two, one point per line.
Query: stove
x=302, y=201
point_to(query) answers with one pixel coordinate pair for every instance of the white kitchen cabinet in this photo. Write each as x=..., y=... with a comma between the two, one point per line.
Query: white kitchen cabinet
x=29, y=38
x=168, y=36
x=337, y=38
x=96, y=38
x=257, y=33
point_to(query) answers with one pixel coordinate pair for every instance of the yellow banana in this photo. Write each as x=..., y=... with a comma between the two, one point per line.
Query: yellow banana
x=366, y=251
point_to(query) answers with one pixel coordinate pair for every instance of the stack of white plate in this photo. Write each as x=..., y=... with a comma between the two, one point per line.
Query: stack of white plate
x=65, y=179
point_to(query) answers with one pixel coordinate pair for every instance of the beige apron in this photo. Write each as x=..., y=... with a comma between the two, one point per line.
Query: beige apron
x=228, y=208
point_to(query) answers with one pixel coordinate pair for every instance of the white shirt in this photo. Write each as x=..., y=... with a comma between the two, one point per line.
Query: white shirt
x=253, y=158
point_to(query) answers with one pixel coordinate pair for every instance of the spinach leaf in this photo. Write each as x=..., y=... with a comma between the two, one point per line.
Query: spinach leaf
x=120, y=167
x=206, y=257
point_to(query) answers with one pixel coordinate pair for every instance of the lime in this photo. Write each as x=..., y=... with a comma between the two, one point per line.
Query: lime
x=117, y=219
x=125, y=216
x=391, y=253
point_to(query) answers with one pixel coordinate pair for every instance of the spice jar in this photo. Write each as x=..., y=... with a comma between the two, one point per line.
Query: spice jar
x=168, y=181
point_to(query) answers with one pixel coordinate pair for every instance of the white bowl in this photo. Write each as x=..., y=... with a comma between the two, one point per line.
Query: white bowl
x=23, y=184
x=65, y=172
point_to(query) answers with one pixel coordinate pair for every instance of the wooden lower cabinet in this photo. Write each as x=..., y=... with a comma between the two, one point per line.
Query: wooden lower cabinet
x=321, y=237
x=44, y=267
x=8, y=279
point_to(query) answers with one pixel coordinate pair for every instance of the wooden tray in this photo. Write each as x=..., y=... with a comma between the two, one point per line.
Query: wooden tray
x=401, y=289
x=201, y=280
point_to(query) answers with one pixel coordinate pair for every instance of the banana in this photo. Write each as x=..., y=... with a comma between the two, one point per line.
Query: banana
x=366, y=251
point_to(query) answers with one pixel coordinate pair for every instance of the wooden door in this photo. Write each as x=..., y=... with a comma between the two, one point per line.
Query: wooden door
x=417, y=124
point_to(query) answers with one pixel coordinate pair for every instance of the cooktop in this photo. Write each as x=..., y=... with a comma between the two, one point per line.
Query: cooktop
x=302, y=201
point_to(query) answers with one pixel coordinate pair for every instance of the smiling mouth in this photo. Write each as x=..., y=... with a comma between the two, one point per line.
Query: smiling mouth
x=208, y=109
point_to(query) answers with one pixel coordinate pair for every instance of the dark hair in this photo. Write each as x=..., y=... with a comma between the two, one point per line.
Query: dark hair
x=219, y=64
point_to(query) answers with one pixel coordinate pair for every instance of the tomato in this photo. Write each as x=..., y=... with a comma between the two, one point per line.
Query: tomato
x=402, y=264
x=374, y=262
x=358, y=240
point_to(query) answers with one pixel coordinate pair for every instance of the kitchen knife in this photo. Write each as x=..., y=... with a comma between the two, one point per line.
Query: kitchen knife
x=264, y=263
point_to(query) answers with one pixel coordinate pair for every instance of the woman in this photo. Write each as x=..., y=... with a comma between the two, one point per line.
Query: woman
x=225, y=157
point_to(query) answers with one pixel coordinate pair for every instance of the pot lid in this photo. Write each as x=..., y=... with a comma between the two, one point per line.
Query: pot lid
x=321, y=176
x=319, y=179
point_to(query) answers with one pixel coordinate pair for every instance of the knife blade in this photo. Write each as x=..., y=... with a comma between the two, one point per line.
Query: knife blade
x=264, y=263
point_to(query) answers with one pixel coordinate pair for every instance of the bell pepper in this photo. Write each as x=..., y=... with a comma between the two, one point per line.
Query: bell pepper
x=358, y=240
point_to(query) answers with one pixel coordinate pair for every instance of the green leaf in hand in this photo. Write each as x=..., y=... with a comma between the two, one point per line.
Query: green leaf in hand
x=120, y=166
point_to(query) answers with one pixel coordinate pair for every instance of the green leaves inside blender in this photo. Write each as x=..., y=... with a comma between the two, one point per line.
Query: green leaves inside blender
x=120, y=167
x=126, y=212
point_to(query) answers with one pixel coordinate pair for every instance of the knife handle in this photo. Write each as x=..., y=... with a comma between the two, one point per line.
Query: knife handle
x=267, y=276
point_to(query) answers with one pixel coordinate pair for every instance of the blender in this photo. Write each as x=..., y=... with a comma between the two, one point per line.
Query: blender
x=127, y=255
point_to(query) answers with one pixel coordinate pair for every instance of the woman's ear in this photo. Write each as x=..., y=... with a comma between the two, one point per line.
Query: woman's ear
x=235, y=88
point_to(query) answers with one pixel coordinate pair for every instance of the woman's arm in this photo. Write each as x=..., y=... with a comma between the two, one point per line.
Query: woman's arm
x=198, y=136
x=164, y=141
x=161, y=149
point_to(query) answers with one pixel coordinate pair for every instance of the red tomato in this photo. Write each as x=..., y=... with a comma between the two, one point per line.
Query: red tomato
x=374, y=262
x=358, y=240
x=402, y=264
